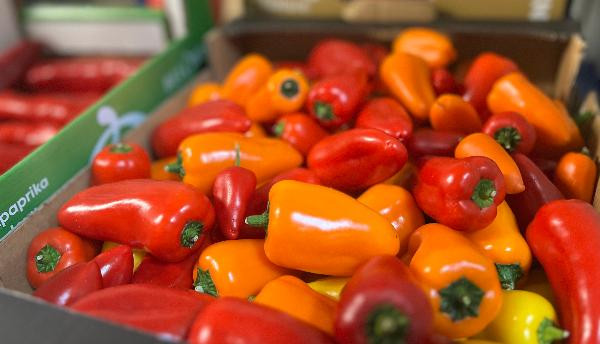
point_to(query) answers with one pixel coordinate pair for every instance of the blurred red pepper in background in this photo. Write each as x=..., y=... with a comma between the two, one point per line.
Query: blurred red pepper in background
x=42, y=107
x=332, y=57
x=425, y=141
x=300, y=131
x=443, y=82
x=27, y=133
x=10, y=154
x=15, y=61
x=387, y=115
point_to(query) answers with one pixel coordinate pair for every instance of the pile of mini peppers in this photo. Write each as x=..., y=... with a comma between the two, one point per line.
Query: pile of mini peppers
x=39, y=96
x=360, y=196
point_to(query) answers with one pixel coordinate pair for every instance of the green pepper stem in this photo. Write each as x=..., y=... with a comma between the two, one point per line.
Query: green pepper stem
x=278, y=128
x=324, y=111
x=260, y=220
x=289, y=88
x=547, y=333
x=461, y=299
x=582, y=118
x=176, y=167
x=47, y=258
x=509, y=274
x=484, y=193
x=191, y=233
x=508, y=137
x=204, y=283
x=120, y=148
x=387, y=324
x=238, y=158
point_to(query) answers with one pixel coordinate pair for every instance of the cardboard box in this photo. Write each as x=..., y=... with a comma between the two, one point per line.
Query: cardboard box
x=558, y=68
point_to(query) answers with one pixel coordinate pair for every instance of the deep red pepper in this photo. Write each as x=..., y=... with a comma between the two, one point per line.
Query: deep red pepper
x=171, y=275
x=332, y=57
x=334, y=100
x=120, y=161
x=71, y=284
x=54, y=250
x=27, y=133
x=300, y=131
x=165, y=312
x=431, y=142
x=15, y=61
x=168, y=219
x=387, y=115
x=82, y=74
x=460, y=193
x=377, y=53
x=40, y=107
x=547, y=166
x=230, y=320
x=10, y=154
x=355, y=159
x=382, y=303
x=564, y=236
x=511, y=131
x=539, y=190
x=116, y=266
x=443, y=82
x=212, y=116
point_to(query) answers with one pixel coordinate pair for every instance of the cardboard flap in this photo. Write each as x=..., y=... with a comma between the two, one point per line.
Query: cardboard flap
x=568, y=68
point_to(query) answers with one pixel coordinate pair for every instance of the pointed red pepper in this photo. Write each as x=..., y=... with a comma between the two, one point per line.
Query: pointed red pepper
x=71, y=284
x=300, y=131
x=431, y=142
x=443, y=82
x=387, y=115
x=460, y=193
x=511, y=131
x=116, y=266
x=120, y=161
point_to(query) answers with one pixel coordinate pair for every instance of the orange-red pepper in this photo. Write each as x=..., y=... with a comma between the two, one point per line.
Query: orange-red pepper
x=246, y=78
x=204, y=93
x=575, y=176
x=451, y=113
x=432, y=46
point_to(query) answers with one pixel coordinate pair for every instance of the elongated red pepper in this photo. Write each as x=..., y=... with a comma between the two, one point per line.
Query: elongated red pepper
x=84, y=74
x=539, y=190
x=27, y=133
x=15, y=61
x=168, y=219
x=443, y=82
x=387, y=115
x=116, y=266
x=10, y=154
x=382, y=303
x=120, y=161
x=165, y=312
x=431, y=142
x=460, y=193
x=300, y=131
x=334, y=100
x=71, y=284
x=356, y=159
x=511, y=131
x=232, y=320
x=564, y=236
x=548, y=166
x=171, y=275
x=212, y=116
x=40, y=108
x=332, y=57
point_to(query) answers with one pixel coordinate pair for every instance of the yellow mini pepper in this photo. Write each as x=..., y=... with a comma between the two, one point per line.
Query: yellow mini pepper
x=330, y=286
x=138, y=254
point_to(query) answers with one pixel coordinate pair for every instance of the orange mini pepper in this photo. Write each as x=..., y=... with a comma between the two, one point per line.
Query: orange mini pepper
x=246, y=78
x=461, y=282
x=256, y=130
x=398, y=206
x=432, y=46
x=575, y=176
x=203, y=156
x=321, y=230
x=480, y=144
x=235, y=268
x=284, y=92
x=158, y=169
x=408, y=78
x=204, y=93
x=503, y=243
x=450, y=112
x=294, y=297
x=556, y=131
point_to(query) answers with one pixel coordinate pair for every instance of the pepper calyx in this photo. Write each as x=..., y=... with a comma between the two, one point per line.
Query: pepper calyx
x=508, y=137
x=204, y=283
x=509, y=274
x=484, y=193
x=176, y=167
x=289, y=88
x=324, y=111
x=191, y=233
x=548, y=333
x=120, y=148
x=47, y=258
x=387, y=324
x=260, y=220
x=461, y=299
x=278, y=128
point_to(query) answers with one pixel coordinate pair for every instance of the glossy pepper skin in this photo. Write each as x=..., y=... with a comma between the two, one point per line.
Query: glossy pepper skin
x=40, y=107
x=170, y=275
x=27, y=133
x=503, y=243
x=355, y=159
x=539, y=190
x=165, y=312
x=120, y=161
x=382, y=303
x=54, y=250
x=230, y=320
x=479, y=144
x=432, y=46
x=284, y=92
x=116, y=266
x=234, y=268
x=460, y=193
x=71, y=284
x=300, y=131
x=246, y=78
x=204, y=93
x=294, y=297
x=330, y=286
x=326, y=239
x=398, y=206
x=425, y=141
x=387, y=115
x=211, y=116
x=533, y=324
x=443, y=82
x=409, y=80
x=450, y=112
x=564, y=237
x=575, y=176
x=204, y=156
x=332, y=57
x=511, y=131
x=168, y=219
x=462, y=283
x=334, y=100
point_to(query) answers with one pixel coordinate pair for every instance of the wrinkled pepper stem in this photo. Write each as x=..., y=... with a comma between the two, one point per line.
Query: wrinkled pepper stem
x=509, y=274
x=386, y=324
x=461, y=299
x=204, y=283
x=290, y=88
x=508, y=137
x=261, y=220
x=278, y=128
x=547, y=333
x=47, y=258
x=176, y=167
x=324, y=111
x=120, y=148
x=191, y=233
x=484, y=193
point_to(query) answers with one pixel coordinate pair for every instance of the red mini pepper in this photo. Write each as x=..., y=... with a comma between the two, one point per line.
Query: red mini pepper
x=300, y=131
x=15, y=61
x=334, y=100
x=212, y=116
x=443, y=82
x=332, y=57
x=42, y=108
x=539, y=190
x=231, y=320
x=120, y=161
x=382, y=303
x=116, y=266
x=171, y=275
x=71, y=284
x=10, y=154
x=165, y=312
x=387, y=115
x=564, y=236
x=27, y=133
x=356, y=159
x=166, y=218
x=425, y=141
x=460, y=193
x=511, y=131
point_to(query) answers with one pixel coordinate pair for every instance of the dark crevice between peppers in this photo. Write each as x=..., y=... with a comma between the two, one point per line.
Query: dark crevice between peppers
x=508, y=137
x=204, y=283
x=386, y=324
x=509, y=274
x=547, y=333
x=47, y=258
x=191, y=233
x=461, y=299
